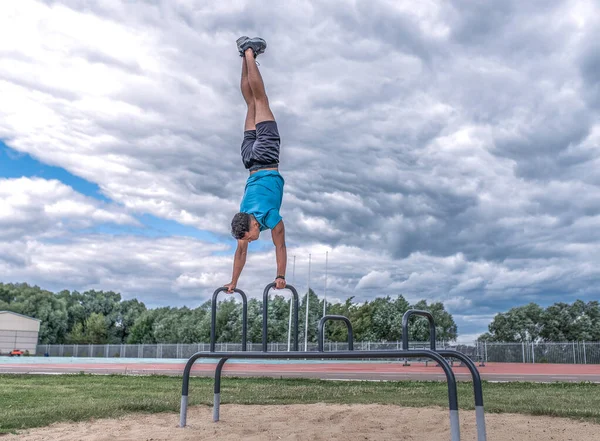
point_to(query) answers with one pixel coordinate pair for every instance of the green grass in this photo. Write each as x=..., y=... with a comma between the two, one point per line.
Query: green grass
x=28, y=401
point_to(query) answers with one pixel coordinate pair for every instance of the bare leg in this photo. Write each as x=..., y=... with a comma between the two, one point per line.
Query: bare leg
x=262, y=109
x=248, y=97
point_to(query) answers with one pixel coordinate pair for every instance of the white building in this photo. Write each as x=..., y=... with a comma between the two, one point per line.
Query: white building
x=18, y=331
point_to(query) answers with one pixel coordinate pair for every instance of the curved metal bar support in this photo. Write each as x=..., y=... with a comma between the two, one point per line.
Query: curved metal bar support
x=477, y=390
x=217, y=398
x=213, y=317
x=296, y=307
x=344, y=355
x=405, y=319
x=322, y=330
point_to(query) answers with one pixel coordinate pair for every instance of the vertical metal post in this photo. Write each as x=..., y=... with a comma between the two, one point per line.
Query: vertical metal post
x=523, y=346
x=290, y=319
x=485, y=349
x=217, y=396
x=321, y=331
x=584, y=357
x=574, y=356
x=477, y=390
x=213, y=317
x=307, y=302
x=325, y=288
x=265, y=306
x=532, y=352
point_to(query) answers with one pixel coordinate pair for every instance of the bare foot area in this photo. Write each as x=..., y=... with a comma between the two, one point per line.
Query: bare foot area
x=314, y=422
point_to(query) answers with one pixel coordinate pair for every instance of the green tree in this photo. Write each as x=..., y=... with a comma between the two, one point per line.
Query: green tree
x=142, y=330
x=128, y=312
x=518, y=324
x=387, y=317
x=96, y=329
x=445, y=327
x=77, y=335
x=576, y=322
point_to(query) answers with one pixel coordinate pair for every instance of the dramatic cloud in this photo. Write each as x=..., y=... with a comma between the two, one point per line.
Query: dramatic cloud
x=37, y=207
x=445, y=150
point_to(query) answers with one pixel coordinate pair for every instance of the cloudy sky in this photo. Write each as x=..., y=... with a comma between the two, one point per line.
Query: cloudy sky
x=443, y=150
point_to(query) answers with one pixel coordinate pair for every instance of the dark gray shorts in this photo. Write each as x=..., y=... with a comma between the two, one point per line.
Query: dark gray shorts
x=260, y=147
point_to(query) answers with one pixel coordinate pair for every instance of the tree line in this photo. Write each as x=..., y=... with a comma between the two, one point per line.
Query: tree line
x=100, y=317
x=559, y=322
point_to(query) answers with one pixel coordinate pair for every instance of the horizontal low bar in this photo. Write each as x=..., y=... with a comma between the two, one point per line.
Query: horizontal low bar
x=343, y=355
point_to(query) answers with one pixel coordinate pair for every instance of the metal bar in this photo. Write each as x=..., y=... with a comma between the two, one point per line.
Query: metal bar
x=344, y=355
x=322, y=330
x=217, y=397
x=290, y=319
x=477, y=390
x=405, y=319
x=307, y=302
x=266, y=314
x=213, y=316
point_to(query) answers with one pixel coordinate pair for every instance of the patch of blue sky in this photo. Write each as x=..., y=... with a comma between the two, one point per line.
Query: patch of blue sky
x=14, y=164
x=153, y=226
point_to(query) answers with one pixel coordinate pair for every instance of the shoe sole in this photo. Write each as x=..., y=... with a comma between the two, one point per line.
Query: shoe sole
x=262, y=42
x=241, y=40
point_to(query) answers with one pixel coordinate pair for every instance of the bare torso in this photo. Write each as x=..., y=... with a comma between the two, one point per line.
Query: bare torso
x=254, y=171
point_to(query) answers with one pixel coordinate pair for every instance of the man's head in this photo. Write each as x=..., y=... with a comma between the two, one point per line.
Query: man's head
x=245, y=227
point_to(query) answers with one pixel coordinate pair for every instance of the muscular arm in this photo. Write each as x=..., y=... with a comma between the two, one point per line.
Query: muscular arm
x=239, y=260
x=278, y=235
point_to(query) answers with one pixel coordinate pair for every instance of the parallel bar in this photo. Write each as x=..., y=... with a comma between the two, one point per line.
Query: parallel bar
x=183, y=415
x=405, y=319
x=477, y=387
x=216, y=407
x=326, y=318
x=477, y=390
x=344, y=355
x=454, y=425
x=296, y=306
x=213, y=317
x=480, y=422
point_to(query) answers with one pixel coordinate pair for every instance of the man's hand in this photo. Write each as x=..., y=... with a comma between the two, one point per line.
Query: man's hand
x=279, y=283
x=230, y=287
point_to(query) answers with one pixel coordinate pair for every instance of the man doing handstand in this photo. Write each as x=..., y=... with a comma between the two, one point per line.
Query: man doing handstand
x=259, y=209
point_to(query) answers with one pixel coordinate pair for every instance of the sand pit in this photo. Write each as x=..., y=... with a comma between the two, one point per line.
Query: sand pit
x=314, y=422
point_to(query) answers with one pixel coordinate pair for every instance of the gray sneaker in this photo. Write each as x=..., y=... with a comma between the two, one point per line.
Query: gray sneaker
x=258, y=46
x=239, y=42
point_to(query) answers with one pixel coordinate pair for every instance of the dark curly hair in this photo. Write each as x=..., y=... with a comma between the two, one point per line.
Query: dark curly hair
x=240, y=225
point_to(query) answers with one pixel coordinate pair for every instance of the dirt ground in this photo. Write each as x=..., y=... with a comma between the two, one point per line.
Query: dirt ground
x=314, y=422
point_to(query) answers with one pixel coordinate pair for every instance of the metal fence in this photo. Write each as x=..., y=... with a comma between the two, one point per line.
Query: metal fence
x=181, y=350
x=571, y=353
x=568, y=352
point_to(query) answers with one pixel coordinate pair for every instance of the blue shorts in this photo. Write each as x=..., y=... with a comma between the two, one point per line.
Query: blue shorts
x=260, y=147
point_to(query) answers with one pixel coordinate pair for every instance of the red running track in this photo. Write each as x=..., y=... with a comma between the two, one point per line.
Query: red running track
x=338, y=371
